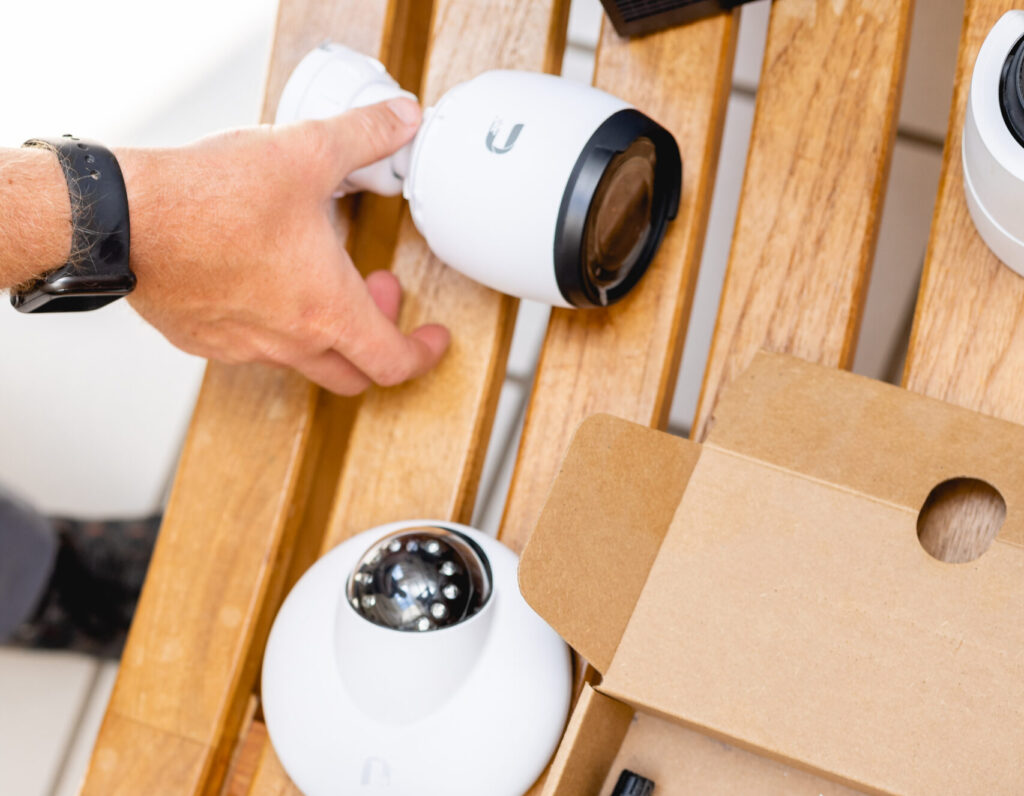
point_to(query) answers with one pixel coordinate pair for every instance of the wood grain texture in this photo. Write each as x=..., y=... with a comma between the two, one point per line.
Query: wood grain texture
x=270, y=778
x=247, y=752
x=967, y=343
x=624, y=360
x=812, y=194
x=137, y=758
x=221, y=560
x=185, y=672
x=417, y=451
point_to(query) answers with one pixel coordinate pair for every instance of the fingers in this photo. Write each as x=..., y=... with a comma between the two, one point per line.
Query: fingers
x=386, y=293
x=371, y=348
x=333, y=372
x=367, y=336
x=365, y=135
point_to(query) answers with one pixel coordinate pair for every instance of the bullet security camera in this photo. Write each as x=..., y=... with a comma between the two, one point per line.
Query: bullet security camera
x=405, y=661
x=993, y=141
x=531, y=184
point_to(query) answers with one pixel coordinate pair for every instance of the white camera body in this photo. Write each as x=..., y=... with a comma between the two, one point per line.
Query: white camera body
x=521, y=164
x=993, y=149
x=531, y=184
x=351, y=706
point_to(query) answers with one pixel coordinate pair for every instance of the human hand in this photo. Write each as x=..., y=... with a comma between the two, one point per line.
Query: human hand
x=237, y=259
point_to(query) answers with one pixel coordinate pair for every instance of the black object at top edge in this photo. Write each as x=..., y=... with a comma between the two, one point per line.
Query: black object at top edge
x=614, y=135
x=632, y=784
x=1011, y=91
x=638, y=17
x=97, y=272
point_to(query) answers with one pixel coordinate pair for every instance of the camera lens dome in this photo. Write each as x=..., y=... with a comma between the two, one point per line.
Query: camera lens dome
x=420, y=580
x=623, y=191
x=1011, y=91
x=619, y=221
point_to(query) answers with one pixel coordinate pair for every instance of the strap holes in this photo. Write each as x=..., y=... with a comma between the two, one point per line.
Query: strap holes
x=90, y=158
x=82, y=146
x=94, y=174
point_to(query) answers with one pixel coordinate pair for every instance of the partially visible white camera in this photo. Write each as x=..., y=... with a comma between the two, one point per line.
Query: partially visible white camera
x=531, y=184
x=993, y=142
x=406, y=661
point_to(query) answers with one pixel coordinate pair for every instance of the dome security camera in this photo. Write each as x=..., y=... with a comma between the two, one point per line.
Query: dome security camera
x=531, y=184
x=993, y=141
x=405, y=661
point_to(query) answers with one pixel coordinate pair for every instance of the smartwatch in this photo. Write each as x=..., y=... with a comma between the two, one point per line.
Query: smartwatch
x=97, y=271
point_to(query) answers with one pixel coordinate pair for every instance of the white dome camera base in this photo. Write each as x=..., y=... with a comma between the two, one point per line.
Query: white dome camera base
x=353, y=707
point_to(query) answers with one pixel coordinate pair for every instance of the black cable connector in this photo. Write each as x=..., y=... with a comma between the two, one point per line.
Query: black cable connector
x=632, y=784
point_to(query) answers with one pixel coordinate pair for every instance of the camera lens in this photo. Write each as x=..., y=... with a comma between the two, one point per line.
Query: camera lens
x=623, y=191
x=421, y=579
x=619, y=221
x=1011, y=91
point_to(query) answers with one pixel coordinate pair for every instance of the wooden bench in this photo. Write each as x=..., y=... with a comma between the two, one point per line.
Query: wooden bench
x=274, y=471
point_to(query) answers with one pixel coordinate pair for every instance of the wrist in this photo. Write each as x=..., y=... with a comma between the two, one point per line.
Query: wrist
x=36, y=235
x=139, y=169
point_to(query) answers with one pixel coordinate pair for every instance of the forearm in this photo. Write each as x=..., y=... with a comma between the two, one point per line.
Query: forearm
x=35, y=215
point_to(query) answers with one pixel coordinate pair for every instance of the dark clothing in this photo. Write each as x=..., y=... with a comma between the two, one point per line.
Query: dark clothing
x=28, y=552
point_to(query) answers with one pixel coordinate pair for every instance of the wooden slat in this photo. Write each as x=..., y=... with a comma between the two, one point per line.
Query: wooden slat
x=180, y=687
x=417, y=451
x=255, y=443
x=812, y=193
x=624, y=360
x=270, y=778
x=247, y=751
x=967, y=343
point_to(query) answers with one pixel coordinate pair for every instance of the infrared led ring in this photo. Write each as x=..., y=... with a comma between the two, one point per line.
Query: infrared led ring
x=420, y=580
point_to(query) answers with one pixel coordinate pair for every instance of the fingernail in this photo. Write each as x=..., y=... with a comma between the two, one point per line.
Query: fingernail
x=407, y=111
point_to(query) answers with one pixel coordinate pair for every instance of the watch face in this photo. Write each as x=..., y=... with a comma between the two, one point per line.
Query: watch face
x=73, y=292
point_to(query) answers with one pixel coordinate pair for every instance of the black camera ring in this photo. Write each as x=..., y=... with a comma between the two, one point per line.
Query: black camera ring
x=1011, y=91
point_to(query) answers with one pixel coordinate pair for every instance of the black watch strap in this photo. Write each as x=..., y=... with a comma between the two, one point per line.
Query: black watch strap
x=97, y=271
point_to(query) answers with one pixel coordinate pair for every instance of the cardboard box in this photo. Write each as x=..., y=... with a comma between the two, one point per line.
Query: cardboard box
x=768, y=590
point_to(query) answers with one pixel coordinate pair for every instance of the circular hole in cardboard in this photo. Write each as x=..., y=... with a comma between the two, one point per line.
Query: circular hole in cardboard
x=960, y=519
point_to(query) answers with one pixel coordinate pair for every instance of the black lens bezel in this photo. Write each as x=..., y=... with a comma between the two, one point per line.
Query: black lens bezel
x=1011, y=91
x=613, y=136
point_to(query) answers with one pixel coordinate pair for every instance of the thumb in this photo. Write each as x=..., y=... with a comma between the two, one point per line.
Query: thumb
x=365, y=135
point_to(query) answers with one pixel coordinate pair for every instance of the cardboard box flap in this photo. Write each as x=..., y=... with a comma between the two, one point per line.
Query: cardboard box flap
x=866, y=436
x=599, y=533
x=792, y=609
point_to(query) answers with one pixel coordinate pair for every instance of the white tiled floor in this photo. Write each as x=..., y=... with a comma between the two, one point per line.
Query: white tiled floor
x=50, y=706
x=41, y=700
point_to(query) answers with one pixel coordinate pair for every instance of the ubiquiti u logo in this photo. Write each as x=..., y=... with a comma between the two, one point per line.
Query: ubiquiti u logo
x=495, y=131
